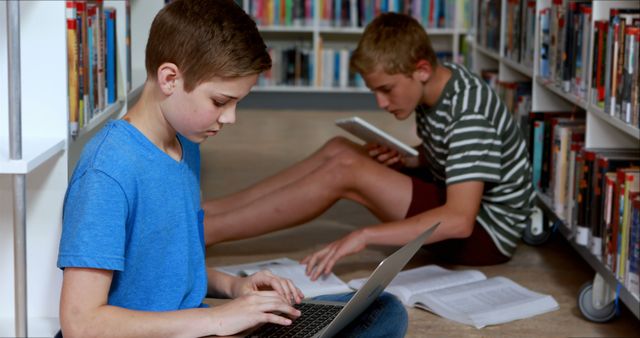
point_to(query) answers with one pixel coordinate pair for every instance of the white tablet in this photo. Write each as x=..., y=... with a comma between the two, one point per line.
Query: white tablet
x=371, y=134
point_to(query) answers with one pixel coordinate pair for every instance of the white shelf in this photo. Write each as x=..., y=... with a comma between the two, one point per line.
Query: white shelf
x=309, y=89
x=488, y=52
x=522, y=69
x=360, y=30
x=97, y=120
x=286, y=29
x=616, y=122
x=627, y=297
x=578, y=101
x=34, y=153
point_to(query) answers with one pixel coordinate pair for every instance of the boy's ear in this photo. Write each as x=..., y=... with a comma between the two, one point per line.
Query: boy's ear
x=423, y=71
x=168, y=75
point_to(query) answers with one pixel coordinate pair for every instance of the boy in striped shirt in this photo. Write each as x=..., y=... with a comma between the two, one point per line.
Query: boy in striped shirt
x=472, y=174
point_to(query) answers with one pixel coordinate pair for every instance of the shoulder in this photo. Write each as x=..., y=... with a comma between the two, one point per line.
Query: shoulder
x=114, y=151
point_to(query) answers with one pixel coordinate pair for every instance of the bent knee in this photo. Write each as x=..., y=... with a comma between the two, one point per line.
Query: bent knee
x=340, y=144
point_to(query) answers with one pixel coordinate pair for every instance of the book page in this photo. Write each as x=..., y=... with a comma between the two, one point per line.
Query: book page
x=488, y=302
x=424, y=279
x=238, y=270
x=287, y=268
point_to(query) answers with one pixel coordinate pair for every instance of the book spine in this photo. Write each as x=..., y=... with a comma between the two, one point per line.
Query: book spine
x=628, y=74
x=110, y=26
x=633, y=283
x=586, y=48
x=607, y=217
x=72, y=66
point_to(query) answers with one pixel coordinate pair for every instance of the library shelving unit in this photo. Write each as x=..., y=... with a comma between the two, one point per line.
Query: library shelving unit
x=37, y=154
x=315, y=34
x=597, y=300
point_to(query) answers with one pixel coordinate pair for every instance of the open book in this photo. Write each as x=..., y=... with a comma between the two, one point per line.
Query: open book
x=288, y=268
x=466, y=296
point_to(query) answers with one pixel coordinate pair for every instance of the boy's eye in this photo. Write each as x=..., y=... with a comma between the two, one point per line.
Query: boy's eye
x=218, y=103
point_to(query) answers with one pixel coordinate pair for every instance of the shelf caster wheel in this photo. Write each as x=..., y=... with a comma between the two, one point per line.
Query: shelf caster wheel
x=589, y=309
x=536, y=233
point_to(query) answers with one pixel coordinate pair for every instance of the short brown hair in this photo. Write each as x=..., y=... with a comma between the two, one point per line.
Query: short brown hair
x=205, y=38
x=395, y=42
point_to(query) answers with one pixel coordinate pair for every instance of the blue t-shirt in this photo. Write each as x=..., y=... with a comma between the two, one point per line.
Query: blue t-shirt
x=133, y=209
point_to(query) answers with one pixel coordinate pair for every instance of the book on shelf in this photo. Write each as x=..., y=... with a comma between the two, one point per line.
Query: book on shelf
x=633, y=277
x=466, y=296
x=543, y=124
x=354, y=13
x=616, y=52
x=72, y=62
x=629, y=190
x=565, y=31
x=601, y=29
x=488, y=29
x=293, y=270
x=605, y=162
x=566, y=133
x=545, y=42
x=92, y=60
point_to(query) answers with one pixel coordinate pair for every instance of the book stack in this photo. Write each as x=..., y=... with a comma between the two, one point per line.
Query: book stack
x=488, y=31
x=520, y=31
x=282, y=13
x=615, y=52
x=292, y=65
x=593, y=190
x=565, y=44
x=92, y=60
x=351, y=13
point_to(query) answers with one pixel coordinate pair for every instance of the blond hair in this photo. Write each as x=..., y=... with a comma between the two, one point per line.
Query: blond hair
x=395, y=42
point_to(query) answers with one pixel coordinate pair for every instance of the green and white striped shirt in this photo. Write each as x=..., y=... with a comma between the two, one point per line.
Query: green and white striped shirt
x=469, y=135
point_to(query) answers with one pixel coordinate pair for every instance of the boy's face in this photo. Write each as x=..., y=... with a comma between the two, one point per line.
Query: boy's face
x=208, y=107
x=399, y=94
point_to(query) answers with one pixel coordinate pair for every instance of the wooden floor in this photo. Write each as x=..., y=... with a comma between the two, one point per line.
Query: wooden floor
x=263, y=142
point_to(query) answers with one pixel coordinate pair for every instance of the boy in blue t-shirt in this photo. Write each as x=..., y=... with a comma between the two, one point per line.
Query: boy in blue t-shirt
x=132, y=245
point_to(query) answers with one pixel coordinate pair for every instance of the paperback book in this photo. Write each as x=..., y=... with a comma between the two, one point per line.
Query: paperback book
x=293, y=270
x=466, y=296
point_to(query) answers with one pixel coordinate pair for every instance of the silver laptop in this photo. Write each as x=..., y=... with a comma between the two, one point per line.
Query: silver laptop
x=326, y=319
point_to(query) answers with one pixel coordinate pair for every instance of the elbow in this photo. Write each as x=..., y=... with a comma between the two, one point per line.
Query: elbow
x=464, y=228
x=75, y=326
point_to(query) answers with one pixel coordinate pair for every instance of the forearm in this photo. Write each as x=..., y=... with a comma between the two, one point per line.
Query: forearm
x=220, y=284
x=452, y=225
x=111, y=321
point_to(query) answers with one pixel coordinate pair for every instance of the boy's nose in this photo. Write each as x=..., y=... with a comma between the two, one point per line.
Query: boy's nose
x=382, y=101
x=229, y=116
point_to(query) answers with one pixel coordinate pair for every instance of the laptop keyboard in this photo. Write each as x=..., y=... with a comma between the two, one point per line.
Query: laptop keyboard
x=314, y=318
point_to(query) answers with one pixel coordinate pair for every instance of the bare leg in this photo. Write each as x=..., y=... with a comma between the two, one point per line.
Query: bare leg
x=280, y=179
x=346, y=173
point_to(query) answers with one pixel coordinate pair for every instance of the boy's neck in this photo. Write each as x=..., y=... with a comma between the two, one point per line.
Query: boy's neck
x=434, y=87
x=146, y=116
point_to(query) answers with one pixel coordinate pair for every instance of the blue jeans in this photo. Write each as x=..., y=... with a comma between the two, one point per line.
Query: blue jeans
x=385, y=317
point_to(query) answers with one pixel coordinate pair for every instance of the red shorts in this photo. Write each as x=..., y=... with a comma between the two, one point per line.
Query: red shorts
x=477, y=249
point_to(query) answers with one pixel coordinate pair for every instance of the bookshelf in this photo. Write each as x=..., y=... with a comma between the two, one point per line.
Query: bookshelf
x=311, y=26
x=30, y=303
x=602, y=129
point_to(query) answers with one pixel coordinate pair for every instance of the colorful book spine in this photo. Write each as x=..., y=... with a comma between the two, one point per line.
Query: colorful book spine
x=72, y=66
x=110, y=27
x=633, y=277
